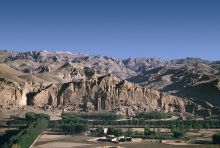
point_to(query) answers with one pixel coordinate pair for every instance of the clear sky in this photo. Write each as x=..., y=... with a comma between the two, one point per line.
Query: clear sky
x=167, y=29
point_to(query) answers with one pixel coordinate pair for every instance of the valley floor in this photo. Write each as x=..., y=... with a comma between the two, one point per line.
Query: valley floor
x=58, y=140
x=67, y=141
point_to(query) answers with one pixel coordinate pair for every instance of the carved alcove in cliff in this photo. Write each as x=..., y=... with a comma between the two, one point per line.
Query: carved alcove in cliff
x=101, y=100
x=30, y=98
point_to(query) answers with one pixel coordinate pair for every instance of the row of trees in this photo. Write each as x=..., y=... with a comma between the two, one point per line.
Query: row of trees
x=147, y=134
x=93, y=115
x=17, y=122
x=74, y=128
x=57, y=124
x=153, y=115
x=191, y=124
x=29, y=118
x=31, y=126
x=27, y=136
x=188, y=124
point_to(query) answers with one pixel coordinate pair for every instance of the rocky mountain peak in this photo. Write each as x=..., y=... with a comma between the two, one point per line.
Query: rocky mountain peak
x=74, y=79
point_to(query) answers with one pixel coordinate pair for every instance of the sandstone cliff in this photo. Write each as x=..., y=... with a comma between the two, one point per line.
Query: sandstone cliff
x=108, y=93
x=99, y=93
x=82, y=83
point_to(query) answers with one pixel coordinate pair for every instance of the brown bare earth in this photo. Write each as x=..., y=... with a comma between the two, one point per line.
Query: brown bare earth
x=54, y=139
x=62, y=141
x=20, y=112
x=198, y=139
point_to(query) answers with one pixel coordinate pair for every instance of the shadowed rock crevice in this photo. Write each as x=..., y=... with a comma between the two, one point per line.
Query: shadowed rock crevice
x=60, y=92
x=30, y=98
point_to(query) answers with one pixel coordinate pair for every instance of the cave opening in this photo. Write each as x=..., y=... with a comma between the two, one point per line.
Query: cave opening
x=30, y=98
x=103, y=105
x=100, y=102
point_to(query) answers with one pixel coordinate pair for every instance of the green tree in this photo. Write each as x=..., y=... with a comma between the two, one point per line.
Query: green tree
x=148, y=132
x=27, y=136
x=178, y=132
x=129, y=133
x=98, y=132
x=114, y=131
x=30, y=116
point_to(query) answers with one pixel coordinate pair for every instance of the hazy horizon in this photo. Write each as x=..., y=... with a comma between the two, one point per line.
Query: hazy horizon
x=156, y=28
x=71, y=52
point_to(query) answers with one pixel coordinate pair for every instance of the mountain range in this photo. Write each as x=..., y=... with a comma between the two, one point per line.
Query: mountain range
x=78, y=82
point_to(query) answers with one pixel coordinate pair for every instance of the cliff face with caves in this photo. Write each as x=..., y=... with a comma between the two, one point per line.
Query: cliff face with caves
x=104, y=93
x=72, y=82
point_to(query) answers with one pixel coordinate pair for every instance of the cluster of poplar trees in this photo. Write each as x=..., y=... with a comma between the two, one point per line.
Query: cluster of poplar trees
x=35, y=124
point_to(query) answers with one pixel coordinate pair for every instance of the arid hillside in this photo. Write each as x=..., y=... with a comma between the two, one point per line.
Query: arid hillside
x=76, y=82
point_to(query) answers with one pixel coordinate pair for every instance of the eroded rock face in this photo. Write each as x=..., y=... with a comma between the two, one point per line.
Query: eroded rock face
x=11, y=93
x=108, y=93
x=74, y=82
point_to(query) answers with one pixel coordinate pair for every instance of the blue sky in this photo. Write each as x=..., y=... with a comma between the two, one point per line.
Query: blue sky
x=167, y=29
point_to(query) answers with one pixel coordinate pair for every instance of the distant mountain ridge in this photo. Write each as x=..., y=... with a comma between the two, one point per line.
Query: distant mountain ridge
x=190, y=78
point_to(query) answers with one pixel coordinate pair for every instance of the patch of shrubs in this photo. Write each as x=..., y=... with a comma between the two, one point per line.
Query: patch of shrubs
x=29, y=118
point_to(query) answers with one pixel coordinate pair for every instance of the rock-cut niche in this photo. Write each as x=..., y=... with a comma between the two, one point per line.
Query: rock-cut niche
x=30, y=98
x=101, y=100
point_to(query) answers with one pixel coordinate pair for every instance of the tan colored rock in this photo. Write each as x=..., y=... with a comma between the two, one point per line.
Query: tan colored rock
x=95, y=93
x=111, y=94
